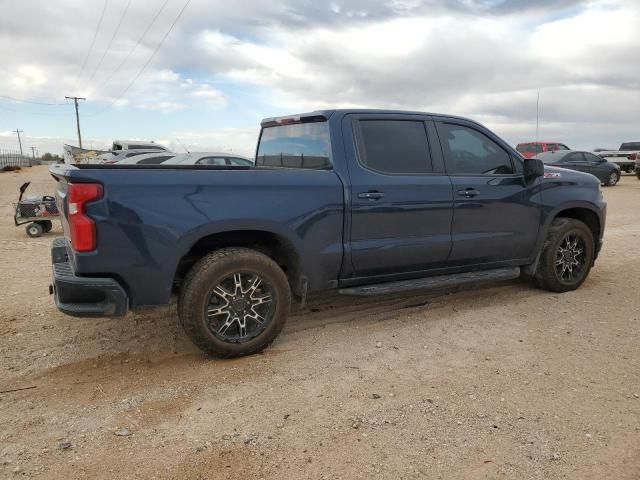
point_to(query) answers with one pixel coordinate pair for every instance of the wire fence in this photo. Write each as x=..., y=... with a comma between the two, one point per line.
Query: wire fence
x=12, y=158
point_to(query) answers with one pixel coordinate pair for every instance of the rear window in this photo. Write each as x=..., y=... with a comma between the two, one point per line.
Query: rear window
x=299, y=145
x=239, y=161
x=145, y=147
x=212, y=161
x=154, y=160
x=629, y=146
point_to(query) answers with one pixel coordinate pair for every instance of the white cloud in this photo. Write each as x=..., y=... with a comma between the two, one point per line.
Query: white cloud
x=28, y=77
x=482, y=58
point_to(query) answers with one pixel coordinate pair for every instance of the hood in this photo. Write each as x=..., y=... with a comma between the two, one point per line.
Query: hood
x=564, y=174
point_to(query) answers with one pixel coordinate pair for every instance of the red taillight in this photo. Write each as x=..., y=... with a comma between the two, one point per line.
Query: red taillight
x=82, y=228
x=633, y=156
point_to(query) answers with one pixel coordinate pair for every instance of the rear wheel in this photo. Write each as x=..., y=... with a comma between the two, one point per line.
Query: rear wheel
x=234, y=302
x=613, y=179
x=567, y=256
x=46, y=225
x=34, y=230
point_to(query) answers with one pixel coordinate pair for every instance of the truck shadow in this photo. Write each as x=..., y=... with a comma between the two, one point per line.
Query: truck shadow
x=155, y=336
x=328, y=309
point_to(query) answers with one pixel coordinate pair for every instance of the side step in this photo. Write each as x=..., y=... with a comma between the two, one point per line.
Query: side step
x=435, y=283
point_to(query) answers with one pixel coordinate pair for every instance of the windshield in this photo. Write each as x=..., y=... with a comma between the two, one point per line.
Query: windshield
x=300, y=145
x=527, y=148
x=629, y=146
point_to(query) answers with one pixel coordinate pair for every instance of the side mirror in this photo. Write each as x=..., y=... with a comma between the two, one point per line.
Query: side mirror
x=533, y=168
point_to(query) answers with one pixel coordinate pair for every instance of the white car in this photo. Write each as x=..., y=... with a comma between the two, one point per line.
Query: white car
x=147, y=159
x=208, y=158
x=120, y=155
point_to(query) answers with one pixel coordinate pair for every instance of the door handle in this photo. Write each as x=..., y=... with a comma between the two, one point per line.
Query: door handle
x=468, y=192
x=373, y=195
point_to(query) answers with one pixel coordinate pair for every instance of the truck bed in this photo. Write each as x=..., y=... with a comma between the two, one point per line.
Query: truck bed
x=151, y=216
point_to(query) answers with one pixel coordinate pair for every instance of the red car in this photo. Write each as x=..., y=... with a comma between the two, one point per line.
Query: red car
x=531, y=149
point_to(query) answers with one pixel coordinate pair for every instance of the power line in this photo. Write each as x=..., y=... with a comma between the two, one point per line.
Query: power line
x=30, y=101
x=93, y=42
x=135, y=46
x=186, y=4
x=106, y=50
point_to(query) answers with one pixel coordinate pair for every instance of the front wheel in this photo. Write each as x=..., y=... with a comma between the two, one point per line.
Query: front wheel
x=567, y=256
x=613, y=179
x=34, y=230
x=234, y=302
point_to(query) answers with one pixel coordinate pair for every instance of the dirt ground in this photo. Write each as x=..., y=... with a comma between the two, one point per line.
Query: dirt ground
x=500, y=382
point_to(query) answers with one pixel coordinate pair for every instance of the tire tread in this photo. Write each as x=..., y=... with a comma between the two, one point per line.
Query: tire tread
x=545, y=274
x=195, y=280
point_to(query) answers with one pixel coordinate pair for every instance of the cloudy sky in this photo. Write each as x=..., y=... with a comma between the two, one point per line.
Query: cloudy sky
x=208, y=81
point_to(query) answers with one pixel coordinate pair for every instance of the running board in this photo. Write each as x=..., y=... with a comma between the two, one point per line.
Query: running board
x=435, y=283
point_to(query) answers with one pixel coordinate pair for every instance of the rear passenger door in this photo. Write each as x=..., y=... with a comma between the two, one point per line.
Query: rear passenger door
x=494, y=219
x=401, y=200
x=575, y=161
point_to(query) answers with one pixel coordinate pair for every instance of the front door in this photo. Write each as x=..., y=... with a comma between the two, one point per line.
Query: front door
x=401, y=199
x=496, y=217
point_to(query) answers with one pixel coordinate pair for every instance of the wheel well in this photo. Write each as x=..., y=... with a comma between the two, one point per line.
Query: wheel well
x=276, y=247
x=586, y=216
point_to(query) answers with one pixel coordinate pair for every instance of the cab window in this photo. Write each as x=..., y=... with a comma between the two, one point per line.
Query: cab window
x=468, y=151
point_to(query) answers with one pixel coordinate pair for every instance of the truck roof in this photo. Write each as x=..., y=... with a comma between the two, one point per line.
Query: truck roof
x=321, y=115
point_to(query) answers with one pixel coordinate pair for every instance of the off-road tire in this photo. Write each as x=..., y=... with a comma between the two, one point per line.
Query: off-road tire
x=206, y=274
x=547, y=276
x=34, y=230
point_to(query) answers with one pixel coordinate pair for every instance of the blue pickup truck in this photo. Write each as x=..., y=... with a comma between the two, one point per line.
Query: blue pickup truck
x=365, y=202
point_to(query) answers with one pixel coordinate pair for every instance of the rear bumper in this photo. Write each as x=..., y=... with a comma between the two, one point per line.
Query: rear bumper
x=83, y=296
x=625, y=164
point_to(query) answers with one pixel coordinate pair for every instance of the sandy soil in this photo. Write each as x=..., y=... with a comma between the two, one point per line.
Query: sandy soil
x=501, y=382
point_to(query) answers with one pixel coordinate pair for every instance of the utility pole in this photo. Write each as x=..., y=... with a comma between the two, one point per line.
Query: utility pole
x=18, y=131
x=537, y=118
x=75, y=100
x=33, y=154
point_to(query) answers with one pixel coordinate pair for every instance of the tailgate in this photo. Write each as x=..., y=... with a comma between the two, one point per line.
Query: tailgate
x=616, y=156
x=61, y=174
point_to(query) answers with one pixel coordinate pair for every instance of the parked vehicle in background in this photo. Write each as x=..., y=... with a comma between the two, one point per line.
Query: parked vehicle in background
x=598, y=150
x=637, y=167
x=531, y=149
x=209, y=158
x=154, y=158
x=136, y=145
x=587, y=162
x=120, y=155
x=625, y=156
x=365, y=202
